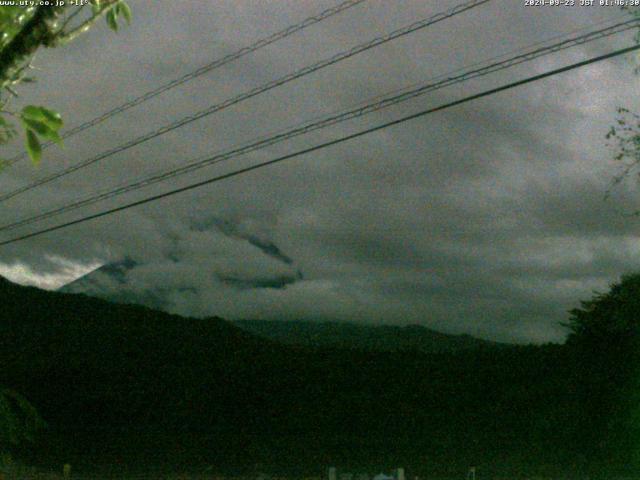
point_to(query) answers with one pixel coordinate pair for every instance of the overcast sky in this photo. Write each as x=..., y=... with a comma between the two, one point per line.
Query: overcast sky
x=486, y=219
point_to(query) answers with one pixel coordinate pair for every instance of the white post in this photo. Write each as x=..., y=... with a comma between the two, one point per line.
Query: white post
x=472, y=473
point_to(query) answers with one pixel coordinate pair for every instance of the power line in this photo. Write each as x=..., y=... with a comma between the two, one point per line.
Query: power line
x=307, y=22
x=361, y=133
x=252, y=93
x=331, y=120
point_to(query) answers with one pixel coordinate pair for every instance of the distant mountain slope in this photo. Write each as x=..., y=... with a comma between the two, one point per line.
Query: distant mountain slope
x=89, y=361
x=112, y=282
x=128, y=385
x=109, y=282
x=383, y=338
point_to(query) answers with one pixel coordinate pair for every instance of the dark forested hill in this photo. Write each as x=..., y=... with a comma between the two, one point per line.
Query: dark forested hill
x=130, y=386
x=382, y=338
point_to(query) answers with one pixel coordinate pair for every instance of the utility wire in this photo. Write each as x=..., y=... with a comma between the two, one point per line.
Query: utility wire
x=252, y=93
x=328, y=121
x=343, y=139
x=307, y=22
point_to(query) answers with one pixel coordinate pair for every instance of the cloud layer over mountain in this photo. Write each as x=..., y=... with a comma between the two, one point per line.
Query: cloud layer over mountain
x=485, y=219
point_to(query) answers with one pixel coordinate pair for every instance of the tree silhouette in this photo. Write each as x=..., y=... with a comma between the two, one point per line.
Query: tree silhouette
x=605, y=334
x=610, y=321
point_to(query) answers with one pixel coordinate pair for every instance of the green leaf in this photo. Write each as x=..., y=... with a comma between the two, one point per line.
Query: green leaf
x=95, y=6
x=38, y=127
x=54, y=120
x=34, y=149
x=44, y=115
x=7, y=131
x=42, y=129
x=125, y=11
x=112, y=19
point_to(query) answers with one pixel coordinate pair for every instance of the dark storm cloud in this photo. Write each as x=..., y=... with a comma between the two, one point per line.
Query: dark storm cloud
x=485, y=219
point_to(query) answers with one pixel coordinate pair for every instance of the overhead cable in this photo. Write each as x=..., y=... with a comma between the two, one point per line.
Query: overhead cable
x=328, y=121
x=413, y=27
x=336, y=141
x=307, y=22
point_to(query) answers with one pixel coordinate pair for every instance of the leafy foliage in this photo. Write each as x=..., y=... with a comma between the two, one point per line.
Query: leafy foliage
x=625, y=134
x=24, y=30
x=120, y=9
x=7, y=131
x=12, y=19
x=19, y=420
x=635, y=11
x=609, y=317
x=605, y=336
x=40, y=122
x=625, y=137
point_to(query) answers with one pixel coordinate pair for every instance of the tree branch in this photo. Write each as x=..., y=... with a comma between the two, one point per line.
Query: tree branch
x=62, y=38
x=36, y=32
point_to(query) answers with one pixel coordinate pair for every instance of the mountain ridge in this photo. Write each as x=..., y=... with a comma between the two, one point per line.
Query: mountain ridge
x=128, y=385
x=383, y=338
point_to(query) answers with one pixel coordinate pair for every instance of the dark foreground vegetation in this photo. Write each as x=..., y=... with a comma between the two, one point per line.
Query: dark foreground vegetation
x=126, y=387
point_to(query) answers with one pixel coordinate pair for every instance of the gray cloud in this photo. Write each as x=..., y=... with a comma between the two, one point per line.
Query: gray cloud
x=485, y=219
